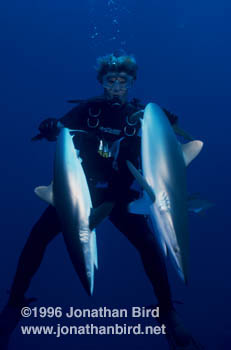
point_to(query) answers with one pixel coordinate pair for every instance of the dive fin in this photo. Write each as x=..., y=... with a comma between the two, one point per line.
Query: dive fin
x=141, y=180
x=61, y=126
x=190, y=150
x=45, y=193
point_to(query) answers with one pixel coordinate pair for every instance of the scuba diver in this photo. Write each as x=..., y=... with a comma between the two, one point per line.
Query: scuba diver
x=112, y=124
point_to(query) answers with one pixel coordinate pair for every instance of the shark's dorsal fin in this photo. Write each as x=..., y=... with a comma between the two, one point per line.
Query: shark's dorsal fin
x=141, y=180
x=190, y=150
x=45, y=193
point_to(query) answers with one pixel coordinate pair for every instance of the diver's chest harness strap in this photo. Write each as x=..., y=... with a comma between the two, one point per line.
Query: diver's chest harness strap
x=129, y=126
x=109, y=138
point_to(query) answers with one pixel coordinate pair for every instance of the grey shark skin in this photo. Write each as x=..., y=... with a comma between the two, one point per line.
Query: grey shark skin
x=164, y=162
x=70, y=195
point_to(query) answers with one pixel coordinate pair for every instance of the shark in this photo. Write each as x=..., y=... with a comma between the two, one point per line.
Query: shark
x=163, y=180
x=69, y=194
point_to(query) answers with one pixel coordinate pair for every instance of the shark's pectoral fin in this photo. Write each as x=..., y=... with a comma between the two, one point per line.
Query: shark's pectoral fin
x=190, y=150
x=100, y=213
x=95, y=253
x=140, y=206
x=45, y=193
x=141, y=180
x=173, y=253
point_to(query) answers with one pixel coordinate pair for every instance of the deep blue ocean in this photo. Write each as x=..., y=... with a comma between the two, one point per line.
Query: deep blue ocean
x=48, y=55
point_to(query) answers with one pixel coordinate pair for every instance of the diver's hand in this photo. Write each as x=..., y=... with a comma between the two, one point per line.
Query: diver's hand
x=49, y=129
x=133, y=119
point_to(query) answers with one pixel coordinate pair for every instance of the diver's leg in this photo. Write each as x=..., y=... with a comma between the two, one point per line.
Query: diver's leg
x=136, y=229
x=46, y=228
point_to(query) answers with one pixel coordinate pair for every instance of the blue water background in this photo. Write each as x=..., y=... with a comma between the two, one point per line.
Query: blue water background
x=48, y=52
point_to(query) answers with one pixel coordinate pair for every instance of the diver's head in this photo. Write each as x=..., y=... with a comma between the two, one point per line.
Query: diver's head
x=116, y=72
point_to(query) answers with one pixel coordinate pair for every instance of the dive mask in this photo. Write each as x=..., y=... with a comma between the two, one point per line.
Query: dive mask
x=121, y=81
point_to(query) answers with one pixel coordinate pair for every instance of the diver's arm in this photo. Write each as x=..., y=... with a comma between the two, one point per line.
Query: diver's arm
x=49, y=128
x=74, y=119
x=171, y=117
x=178, y=130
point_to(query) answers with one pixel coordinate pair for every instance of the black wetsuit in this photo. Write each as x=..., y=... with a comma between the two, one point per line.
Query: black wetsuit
x=109, y=179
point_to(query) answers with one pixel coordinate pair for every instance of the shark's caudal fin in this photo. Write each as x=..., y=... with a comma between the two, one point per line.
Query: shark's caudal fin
x=45, y=193
x=190, y=150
